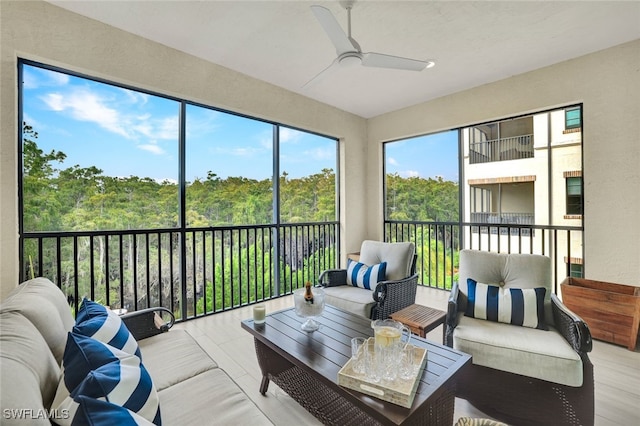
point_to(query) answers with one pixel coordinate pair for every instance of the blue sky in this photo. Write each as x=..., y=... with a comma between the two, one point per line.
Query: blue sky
x=125, y=133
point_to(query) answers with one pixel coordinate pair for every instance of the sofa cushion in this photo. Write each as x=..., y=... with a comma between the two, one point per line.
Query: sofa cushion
x=42, y=302
x=209, y=398
x=96, y=321
x=515, y=306
x=399, y=257
x=173, y=357
x=28, y=370
x=363, y=276
x=527, y=351
x=96, y=412
x=353, y=299
x=95, y=369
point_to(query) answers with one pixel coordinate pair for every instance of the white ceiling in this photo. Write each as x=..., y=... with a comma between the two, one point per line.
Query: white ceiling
x=472, y=42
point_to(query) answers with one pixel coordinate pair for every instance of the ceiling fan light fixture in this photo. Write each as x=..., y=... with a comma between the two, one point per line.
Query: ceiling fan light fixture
x=350, y=59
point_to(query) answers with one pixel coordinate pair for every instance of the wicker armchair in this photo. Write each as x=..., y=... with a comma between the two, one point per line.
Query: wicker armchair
x=396, y=292
x=521, y=375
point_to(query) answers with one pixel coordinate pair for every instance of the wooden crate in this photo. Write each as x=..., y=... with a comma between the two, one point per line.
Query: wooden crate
x=611, y=310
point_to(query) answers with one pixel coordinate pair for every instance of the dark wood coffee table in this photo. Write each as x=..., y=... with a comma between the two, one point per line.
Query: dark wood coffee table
x=306, y=365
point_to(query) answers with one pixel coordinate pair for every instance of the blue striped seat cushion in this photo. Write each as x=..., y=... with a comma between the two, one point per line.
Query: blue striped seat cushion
x=516, y=306
x=363, y=276
x=95, y=320
x=97, y=370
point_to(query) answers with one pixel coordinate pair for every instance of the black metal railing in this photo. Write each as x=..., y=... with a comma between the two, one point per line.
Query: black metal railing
x=503, y=149
x=515, y=219
x=194, y=272
x=438, y=245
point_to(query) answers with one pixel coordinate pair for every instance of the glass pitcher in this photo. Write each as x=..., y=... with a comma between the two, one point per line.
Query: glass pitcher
x=388, y=333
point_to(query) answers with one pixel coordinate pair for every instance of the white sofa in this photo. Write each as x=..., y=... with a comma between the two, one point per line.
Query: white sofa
x=520, y=374
x=34, y=323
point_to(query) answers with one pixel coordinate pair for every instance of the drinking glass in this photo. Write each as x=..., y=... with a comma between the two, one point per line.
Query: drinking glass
x=371, y=363
x=357, y=354
x=408, y=362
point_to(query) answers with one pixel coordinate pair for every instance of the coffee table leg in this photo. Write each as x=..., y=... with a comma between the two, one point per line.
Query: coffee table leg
x=264, y=385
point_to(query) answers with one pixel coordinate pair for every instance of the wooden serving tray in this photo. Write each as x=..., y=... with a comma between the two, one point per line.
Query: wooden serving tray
x=400, y=391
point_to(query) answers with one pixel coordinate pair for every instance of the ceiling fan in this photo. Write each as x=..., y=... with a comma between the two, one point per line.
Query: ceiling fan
x=349, y=51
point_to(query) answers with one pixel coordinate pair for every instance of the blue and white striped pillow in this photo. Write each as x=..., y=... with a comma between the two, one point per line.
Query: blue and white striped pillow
x=363, y=276
x=97, y=412
x=516, y=306
x=98, y=370
x=96, y=321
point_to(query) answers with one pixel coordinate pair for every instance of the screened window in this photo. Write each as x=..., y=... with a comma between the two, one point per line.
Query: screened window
x=574, y=195
x=572, y=118
x=421, y=178
x=97, y=156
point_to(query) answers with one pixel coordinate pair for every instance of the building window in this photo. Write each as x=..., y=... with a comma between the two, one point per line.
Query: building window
x=574, y=195
x=572, y=118
x=575, y=270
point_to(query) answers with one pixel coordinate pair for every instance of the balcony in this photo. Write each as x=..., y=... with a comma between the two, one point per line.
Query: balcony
x=503, y=223
x=503, y=149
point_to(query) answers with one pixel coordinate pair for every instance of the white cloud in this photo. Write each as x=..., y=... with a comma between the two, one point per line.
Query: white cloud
x=152, y=148
x=135, y=97
x=32, y=79
x=392, y=161
x=321, y=154
x=409, y=173
x=114, y=113
x=289, y=135
x=84, y=105
x=163, y=128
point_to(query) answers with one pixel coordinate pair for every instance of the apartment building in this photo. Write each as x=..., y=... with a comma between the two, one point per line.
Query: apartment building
x=524, y=173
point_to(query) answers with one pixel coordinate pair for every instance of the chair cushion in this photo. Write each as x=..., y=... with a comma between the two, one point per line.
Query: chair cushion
x=353, y=299
x=398, y=256
x=530, y=352
x=515, y=306
x=363, y=276
x=96, y=321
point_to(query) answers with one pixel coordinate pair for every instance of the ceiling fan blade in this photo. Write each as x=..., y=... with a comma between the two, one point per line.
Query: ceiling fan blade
x=333, y=29
x=322, y=75
x=380, y=60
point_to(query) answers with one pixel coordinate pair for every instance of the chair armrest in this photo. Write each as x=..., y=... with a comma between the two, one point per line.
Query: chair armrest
x=451, y=321
x=148, y=322
x=571, y=326
x=333, y=277
x=394, y=295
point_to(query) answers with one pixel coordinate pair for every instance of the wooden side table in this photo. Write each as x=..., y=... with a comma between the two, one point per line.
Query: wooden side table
x=420, y=319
